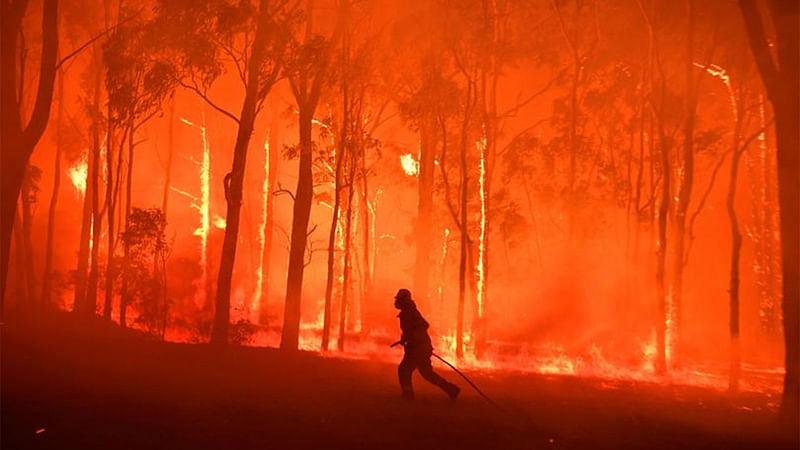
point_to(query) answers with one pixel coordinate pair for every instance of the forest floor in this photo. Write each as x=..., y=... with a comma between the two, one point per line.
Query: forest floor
x=69, y=384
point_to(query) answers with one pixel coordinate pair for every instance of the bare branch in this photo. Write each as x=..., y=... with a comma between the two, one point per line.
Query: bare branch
x=278, y=192
x=91, y=41
x=205, y=98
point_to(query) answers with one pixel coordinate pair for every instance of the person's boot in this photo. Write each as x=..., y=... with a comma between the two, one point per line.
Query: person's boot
x=452, y=391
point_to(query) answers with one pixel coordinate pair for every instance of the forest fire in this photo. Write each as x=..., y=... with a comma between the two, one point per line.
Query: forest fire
x=547, y=194
x=78, y=175
x=410, y=165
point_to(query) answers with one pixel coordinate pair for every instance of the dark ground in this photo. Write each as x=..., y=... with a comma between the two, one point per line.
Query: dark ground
x=86, y=385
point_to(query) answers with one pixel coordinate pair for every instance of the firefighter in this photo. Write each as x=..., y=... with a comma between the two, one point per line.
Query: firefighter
x=418, y=348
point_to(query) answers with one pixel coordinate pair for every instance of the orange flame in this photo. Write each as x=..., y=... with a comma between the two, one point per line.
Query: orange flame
x=78, y=173
x=410, y=164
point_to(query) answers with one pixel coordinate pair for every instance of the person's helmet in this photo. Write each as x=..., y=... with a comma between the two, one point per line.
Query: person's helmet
x=402, y=299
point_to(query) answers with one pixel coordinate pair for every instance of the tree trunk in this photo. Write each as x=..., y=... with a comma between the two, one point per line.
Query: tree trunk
x=424, y=227
x=233, y=196
x=125, y=295
x=307, y=97
x=97, y=218
x=781, y=82
x=170, y=153
x=28, y=197
x=302, y=211
x=110, y=272
x=331, y=274
x=82, y=273
x=346, y=288
x=273, y=156
x=685, y=191
x=47, y=285
x=234, y=180
x=736, y=246
x=19, y=262
x=789, y=197
x=367, y=236
x=462, y=262
x=18, y=140
x=661, y=252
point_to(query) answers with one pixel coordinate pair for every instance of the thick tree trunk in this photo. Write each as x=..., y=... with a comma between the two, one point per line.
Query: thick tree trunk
x=781, y=81
x=233, y=195
x=18, y=140
x=234, y=180
x=789, y=198
x=302, y=211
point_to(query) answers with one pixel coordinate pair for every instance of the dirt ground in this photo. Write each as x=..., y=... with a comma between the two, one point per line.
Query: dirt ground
x=69, y=384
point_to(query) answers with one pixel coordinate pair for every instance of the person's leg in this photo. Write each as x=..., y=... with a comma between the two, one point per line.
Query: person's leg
x=404, y=371
x=426, y=370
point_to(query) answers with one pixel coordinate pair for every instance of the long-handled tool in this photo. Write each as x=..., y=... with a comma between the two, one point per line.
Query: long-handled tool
x=486, y=397
x=477, y=389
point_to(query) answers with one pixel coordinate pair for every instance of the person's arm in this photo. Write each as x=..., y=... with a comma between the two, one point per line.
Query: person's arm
x=402, y=341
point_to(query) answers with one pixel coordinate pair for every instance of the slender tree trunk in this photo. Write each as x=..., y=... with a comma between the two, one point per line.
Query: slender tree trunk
x=347, y=275
x=462, y=262
x=164, y=204
x=125, y=295
x=97, y=218
x=572, y=43
x=424, y=211
x=331, y=271
x=736, y=246
x=28, y=197
x=661, y=252
x=685, y=191
x=19, y=262
x=368, y=222
x=273, y=156
x=82, y=272
x=47, y=285
x=110, y=272
x=170, y=153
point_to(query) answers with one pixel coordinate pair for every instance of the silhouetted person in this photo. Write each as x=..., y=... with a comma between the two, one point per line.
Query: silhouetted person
x=418, y=348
